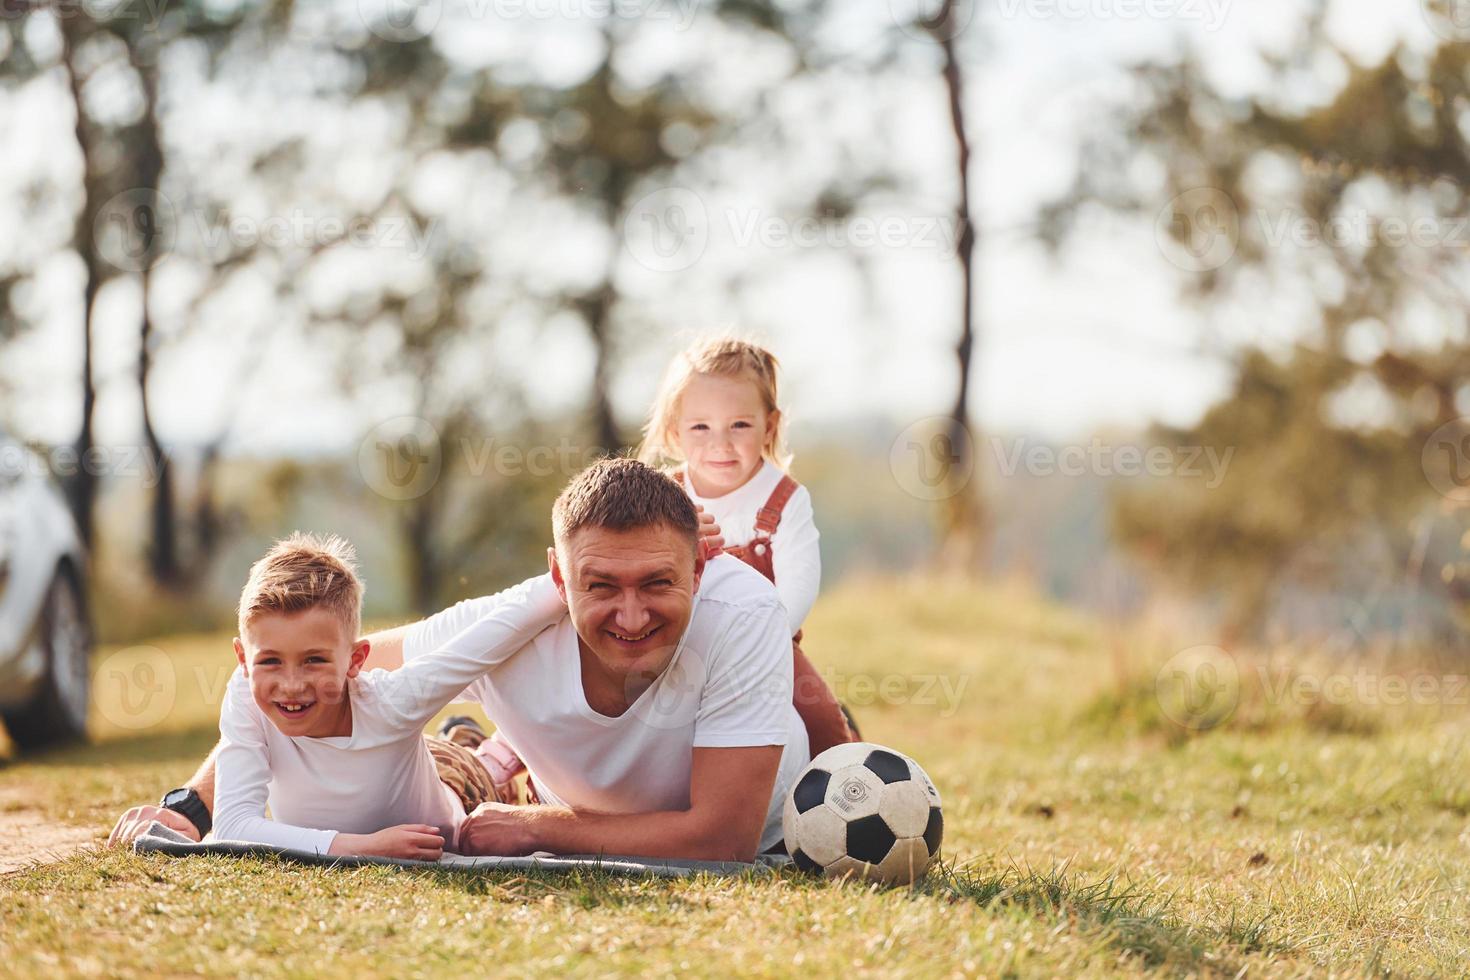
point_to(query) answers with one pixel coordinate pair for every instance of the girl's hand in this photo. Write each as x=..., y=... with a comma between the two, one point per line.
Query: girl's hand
x=711, y=542
x=415, y=841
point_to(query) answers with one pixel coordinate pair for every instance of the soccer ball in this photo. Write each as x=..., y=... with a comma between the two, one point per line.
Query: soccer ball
x=864, y=809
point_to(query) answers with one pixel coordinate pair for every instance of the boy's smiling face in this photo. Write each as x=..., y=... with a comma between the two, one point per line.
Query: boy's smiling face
x=298, y=664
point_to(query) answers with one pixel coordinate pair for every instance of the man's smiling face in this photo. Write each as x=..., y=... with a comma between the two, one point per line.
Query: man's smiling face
x=630, y=594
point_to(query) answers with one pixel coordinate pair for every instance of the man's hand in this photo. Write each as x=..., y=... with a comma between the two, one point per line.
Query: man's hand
x=500, y=829
x=133, y=823
x=711, y=541
x=415, y=841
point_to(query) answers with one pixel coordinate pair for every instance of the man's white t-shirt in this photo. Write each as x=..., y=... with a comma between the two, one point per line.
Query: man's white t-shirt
x=728, y=685
x=796, y=554
x=382, y=774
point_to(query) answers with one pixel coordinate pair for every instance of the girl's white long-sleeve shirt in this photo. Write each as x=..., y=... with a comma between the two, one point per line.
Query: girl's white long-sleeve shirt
x=795, y=552
x=382, y=774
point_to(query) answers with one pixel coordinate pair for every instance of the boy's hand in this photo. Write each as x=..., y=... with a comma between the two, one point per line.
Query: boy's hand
x=711, y=542
x=132, y=824
x=414, y=841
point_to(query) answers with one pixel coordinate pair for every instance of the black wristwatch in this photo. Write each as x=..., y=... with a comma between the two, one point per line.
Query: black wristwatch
x=186, y=801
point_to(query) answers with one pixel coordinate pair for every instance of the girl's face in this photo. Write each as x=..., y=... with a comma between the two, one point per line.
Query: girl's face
x=722, y=426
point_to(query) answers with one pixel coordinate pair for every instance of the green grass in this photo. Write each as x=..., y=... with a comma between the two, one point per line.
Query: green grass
x=1086, y=834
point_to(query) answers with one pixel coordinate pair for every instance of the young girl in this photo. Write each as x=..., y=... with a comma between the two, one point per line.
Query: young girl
x=717, y=419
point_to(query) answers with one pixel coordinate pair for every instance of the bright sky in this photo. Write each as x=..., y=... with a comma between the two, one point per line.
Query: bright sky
x=1097, y=339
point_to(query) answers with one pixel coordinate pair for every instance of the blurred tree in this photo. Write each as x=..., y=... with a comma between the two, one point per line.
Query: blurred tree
x=1314, y=203
x=963, y=533
x=123, y=226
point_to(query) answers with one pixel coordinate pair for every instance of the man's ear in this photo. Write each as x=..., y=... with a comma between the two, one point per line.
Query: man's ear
x=358, y=655
x=699, y=563
x=556, y=576
x=240, y=655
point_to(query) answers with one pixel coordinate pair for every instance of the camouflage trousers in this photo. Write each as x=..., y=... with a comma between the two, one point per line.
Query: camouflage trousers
x=460, y=770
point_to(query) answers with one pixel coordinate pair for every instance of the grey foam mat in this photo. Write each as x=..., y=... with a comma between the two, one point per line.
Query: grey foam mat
x=160, y=839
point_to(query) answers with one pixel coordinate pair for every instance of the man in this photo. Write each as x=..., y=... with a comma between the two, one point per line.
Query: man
x=654, y=720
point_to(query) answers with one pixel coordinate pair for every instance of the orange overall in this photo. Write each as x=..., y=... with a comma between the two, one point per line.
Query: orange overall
x=821, y=713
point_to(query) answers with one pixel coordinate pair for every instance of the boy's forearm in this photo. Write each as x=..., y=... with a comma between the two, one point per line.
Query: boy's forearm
x=202, y=782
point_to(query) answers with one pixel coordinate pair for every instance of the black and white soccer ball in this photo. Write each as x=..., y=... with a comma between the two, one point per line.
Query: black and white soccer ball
x=867, y=810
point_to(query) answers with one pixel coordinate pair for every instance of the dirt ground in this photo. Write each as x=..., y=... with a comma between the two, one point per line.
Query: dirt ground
x=27, y=837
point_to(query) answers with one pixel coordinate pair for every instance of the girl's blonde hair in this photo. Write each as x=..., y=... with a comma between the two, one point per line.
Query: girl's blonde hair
x=724, y=357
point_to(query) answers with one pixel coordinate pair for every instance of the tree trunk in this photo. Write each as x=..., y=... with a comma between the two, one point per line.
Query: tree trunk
x=963, y=542
x=163, y=545
x=81, y=486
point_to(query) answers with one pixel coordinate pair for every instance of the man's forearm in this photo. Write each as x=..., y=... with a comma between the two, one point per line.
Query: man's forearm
x=672, y=834
x=385, y=648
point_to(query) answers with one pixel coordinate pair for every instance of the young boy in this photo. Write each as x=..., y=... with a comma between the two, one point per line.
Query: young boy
x=339, y=753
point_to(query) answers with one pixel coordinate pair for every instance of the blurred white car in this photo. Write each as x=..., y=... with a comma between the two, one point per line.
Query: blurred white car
x=45, y=632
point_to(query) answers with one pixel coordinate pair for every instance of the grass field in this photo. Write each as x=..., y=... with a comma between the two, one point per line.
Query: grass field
x=1086, y=832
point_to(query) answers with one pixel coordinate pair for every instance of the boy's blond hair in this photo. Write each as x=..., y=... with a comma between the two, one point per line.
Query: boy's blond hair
x=305, y=571
x=725, y=357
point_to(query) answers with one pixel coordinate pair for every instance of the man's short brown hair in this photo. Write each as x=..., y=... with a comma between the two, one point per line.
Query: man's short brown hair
x=305, y=571
x=621, y=495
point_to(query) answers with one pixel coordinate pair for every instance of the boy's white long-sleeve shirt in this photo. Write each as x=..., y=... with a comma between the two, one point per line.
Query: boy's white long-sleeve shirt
x=382, y=774
x=795, y=547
